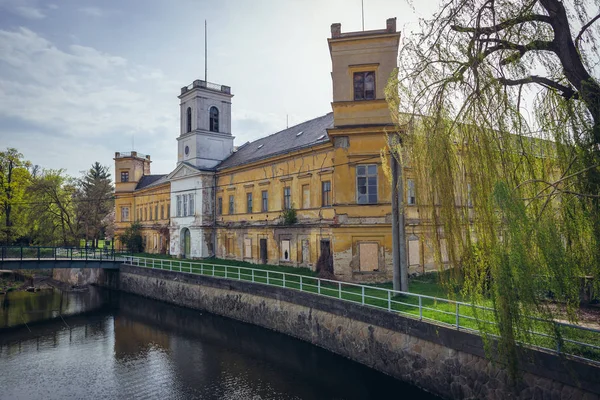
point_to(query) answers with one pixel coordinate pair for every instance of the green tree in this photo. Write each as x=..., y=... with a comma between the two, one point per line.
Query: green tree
x=132, y=238
x=52, y=208
x=498, y=104
x=14, y=178
x=94, y=201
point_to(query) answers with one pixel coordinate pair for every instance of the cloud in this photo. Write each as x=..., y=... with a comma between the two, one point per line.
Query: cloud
x=81, y=97
x=92, y=11
x=29, y=12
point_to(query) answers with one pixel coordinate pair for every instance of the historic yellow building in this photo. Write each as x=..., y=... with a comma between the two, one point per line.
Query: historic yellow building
x=328, y=170
x=144, y=198
x=313, y=191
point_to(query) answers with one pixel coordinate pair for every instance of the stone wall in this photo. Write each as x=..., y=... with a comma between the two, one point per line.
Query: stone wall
x=441, y=360
x=86, y=276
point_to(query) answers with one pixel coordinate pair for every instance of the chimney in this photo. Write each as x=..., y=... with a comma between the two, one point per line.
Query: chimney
x=390, y=25
x=336, y=30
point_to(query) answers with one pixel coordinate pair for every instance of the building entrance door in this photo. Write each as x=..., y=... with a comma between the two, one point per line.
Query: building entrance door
x=263, y=251
x=186, y=243
x=326, y=258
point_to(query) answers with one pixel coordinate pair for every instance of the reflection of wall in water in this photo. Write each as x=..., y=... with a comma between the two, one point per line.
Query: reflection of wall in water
x=220, y=345
x=133, y=339
x=18, y=308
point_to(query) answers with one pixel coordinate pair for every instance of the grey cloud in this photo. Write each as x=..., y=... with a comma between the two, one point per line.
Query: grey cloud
x=29, y=12
x=92, y=11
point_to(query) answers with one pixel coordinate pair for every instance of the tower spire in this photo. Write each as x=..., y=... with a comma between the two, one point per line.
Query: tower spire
x=362, y=6
x=205, y=54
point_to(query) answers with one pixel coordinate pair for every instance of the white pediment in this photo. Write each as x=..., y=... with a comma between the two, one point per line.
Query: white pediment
x=183, y=171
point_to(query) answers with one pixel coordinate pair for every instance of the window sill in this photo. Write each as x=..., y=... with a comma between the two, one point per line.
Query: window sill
x=368, y=272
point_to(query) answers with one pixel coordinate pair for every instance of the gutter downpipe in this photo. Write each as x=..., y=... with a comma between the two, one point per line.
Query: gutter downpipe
x=214, y=221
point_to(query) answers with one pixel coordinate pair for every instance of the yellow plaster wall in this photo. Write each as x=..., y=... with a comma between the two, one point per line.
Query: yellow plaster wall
x=141, y=200
x=309, y=167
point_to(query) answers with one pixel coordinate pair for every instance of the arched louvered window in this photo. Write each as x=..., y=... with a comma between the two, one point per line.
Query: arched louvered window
x=189, y=119
x=214, y=119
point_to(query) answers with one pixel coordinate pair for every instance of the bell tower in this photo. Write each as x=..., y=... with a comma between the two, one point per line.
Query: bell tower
x=205, y=124
x=362, y=63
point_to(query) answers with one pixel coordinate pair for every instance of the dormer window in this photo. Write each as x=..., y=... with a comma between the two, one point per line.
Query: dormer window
x=189, y=119
x=214, y=119
x=364, y=85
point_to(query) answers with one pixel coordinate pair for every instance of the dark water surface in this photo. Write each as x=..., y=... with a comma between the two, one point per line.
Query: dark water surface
x=109, y=345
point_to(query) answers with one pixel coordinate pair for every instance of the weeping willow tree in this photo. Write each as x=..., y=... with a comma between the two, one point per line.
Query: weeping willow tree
x=499, y=113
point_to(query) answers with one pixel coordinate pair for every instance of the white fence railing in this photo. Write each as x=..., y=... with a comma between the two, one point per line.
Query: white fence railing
x=575, y=340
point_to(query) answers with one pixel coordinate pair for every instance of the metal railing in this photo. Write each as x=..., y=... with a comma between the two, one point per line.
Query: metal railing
x=39, y=253
x=122, y=154
x=206, y=85
x=575, y=340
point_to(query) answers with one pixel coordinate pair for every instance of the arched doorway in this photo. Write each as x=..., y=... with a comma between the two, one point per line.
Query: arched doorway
x=185, y=243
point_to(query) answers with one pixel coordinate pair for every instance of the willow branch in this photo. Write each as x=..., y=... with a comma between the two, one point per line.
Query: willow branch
x=567, y=92
x=488, y=30
x=583, y=29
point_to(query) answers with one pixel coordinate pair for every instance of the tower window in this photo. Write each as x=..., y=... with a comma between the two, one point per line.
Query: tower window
x=125, y=176
x=189, y=119
x=364, y=85
x=214, y=119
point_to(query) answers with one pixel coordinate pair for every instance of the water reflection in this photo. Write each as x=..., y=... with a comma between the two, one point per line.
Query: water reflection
x=132, y=347
x=20, y=307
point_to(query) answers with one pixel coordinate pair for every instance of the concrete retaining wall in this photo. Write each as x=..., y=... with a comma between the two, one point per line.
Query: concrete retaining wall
x=441, y=360
x=86, y=276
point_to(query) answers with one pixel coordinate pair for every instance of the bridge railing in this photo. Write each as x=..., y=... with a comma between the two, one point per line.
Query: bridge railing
x=32, y=253
x=574, y=340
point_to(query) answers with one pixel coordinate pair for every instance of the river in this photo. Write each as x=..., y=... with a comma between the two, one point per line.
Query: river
x=102, y=344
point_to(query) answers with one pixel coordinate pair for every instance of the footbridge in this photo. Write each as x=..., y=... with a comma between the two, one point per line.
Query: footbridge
x=30, y=257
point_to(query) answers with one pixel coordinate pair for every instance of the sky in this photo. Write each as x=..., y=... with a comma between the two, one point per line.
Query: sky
x=81, y=80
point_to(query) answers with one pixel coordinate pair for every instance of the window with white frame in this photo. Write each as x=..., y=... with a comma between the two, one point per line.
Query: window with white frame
x=178, y=202
x=191, y=210
x=366, y=184
x=185, y=205
x=124, y=214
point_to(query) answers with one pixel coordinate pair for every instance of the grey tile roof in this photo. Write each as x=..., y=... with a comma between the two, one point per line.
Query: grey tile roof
x=313, y=131
x=150, y=180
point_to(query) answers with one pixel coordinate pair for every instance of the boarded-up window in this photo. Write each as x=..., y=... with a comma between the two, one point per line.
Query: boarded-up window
x=248, y=248
x=369, y=256
x=305, y=251
x=230, y=249
x=305, y=196
x=414, y=252
x=428, y=251
x=285, y=250
x=444, y=250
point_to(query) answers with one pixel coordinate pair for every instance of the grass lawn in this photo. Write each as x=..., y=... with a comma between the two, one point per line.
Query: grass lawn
x=435, y=307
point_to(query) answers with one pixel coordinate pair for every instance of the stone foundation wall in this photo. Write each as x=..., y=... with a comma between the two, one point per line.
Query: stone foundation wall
x=441, y=360
x=86, y=276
